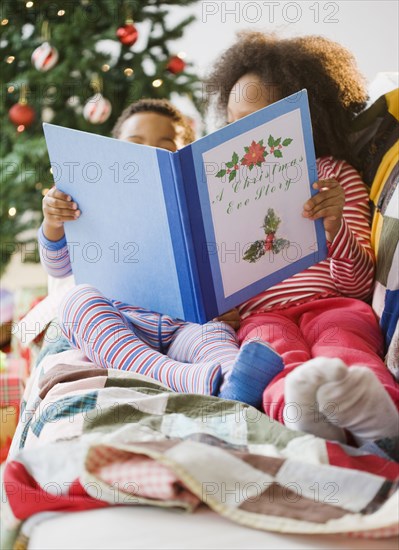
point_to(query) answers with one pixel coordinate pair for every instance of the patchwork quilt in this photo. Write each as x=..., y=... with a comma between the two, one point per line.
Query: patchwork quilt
x=91, y=438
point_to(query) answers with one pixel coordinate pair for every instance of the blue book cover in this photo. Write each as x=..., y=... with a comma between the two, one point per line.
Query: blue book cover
x=193, y=233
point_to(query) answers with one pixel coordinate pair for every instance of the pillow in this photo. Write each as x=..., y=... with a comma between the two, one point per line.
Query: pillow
x=377, y=134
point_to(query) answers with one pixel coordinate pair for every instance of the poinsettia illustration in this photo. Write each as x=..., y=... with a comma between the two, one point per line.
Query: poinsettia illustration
x=270, y=243
x=254, y=155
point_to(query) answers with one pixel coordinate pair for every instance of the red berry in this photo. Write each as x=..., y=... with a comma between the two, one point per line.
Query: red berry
x=269, y=241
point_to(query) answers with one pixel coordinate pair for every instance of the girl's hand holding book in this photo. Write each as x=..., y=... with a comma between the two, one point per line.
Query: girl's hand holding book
x=327, y=204
x=58, y=207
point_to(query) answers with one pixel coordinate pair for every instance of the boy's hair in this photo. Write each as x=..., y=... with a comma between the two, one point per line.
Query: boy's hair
x=326, y=69
x=161, y=107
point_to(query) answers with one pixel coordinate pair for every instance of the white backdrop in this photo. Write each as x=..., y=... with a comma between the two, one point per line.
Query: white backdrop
x=367, y=27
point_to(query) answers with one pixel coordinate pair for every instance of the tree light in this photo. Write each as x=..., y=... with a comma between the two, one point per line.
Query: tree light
x=4, y=22
x=60, y=13
x=10, y=59
x=29, y=4
x=157, y=83
x=105, y=68
x=12, y=211
x=20, y=128
x=10, y=89
x=128, y=71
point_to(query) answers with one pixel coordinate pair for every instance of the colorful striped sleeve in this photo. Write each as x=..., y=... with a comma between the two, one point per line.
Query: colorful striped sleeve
x=351, y=255
x=54, y=256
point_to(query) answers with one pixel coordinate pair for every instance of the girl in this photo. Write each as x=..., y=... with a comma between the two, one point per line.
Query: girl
x=316, y=316
x=117, y=335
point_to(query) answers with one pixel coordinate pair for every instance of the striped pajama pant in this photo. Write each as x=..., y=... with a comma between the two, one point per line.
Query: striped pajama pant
x=186, y=357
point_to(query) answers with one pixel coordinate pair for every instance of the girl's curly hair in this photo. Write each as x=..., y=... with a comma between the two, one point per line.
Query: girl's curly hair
x=161, y=107
x=326, y=69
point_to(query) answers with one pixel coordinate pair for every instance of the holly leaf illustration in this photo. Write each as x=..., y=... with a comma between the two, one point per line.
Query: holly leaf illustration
x=277, y=142
x=251, y=166
x=232, y=175
x=235, y=158
x=287, y=141
x=277, y=153
x=246, y=149
x=279, y=244
x=261, y=143
x=254, y=252
x=229, y=164
x=221, y=173
x=270, y=141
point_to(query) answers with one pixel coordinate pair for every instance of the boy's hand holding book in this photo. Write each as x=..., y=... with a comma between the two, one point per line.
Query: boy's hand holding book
x=58, y=207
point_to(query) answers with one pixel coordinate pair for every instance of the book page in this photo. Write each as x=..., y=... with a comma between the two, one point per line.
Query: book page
x=257, y=184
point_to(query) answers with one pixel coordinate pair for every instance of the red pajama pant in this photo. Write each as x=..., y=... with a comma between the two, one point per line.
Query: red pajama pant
x=332, y=327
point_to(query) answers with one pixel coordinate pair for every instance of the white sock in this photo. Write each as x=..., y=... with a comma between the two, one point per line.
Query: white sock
x=363, y=406
x=302, y=411
x=347, y=398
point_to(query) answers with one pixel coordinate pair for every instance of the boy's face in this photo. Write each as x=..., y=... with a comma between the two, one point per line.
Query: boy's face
x=152, y=129
x=248, y=95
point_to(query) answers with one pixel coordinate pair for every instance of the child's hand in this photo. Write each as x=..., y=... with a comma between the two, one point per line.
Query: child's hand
x=328, y=204
x=58, y=207
x=231, y=318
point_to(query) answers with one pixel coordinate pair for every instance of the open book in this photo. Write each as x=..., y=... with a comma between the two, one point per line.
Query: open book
x=193, y=233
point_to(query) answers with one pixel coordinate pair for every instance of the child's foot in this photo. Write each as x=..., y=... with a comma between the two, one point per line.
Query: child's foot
x=333, y=397
x=302, y=411
x=256, y=365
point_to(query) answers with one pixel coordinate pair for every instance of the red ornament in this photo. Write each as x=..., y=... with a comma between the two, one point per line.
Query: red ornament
x=176, y=65
x=128, y=34
x=21, y=114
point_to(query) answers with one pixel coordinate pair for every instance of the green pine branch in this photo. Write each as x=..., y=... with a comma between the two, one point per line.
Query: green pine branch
x=75, y=35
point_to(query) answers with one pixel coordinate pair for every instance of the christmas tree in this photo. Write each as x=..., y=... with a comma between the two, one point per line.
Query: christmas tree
x=76, y=63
